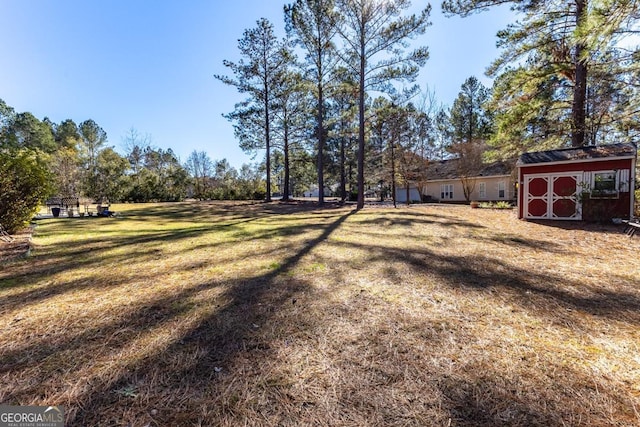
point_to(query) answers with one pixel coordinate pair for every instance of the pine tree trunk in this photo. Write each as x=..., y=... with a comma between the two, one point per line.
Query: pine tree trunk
x=578, y=115
x=267, y=140
x=393, y=172
x=343, y=172
x=320, y=145
x=361, y=94
x=285, y=191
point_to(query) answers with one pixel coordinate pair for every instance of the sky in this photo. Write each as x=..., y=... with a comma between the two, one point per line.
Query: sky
x=149, y=65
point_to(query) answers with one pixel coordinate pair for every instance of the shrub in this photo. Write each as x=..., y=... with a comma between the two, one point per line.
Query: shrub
x=496, y=205
x=25, y=183
x=502, y=205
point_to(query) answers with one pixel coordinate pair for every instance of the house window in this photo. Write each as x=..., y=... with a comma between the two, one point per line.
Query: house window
x=446, y=191
x=483, y=190
x=604, y=184
x=502, y=190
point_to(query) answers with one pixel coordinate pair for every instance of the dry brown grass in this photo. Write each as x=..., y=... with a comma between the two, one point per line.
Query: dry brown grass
x=253, y=314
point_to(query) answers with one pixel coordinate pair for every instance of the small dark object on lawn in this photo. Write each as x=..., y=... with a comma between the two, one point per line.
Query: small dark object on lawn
x=4, y=236
x=631, y=227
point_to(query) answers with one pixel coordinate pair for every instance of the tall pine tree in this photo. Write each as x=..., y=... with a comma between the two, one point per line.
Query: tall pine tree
x=264, y=60
x=314, y=24
x=553, y=60
x=375, y=34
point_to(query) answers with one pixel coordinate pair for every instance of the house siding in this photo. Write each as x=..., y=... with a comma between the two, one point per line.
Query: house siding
x=433, y=189
x=401, y=194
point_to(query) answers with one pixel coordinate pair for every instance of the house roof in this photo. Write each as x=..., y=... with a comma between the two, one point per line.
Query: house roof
x=580, y=153
x=448, y=169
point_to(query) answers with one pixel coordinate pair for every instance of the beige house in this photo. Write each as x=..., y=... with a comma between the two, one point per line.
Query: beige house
x=493, y=182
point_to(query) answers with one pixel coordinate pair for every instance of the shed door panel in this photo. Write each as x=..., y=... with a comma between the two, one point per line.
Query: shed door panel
x=564, y=197
x=537, y=197
x=552, y=196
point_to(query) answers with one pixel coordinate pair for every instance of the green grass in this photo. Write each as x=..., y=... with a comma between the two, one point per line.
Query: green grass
x=288, y=314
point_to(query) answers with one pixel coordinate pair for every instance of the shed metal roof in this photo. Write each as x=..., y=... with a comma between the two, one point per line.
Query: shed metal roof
x=580, y=153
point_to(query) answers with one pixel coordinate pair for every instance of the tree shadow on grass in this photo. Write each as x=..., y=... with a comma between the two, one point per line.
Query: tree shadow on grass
x=95, y=252
x=540, y=293
x=214, y=341
x=130, y=322
x=483, y=403
x=484, y=396
x=194, y=211
x=517, y=241
x=589, y=227
x=191, y=379
x=83, y=254
x=408, y=219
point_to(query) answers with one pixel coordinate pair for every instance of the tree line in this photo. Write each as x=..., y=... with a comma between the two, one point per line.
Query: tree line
x=40, y=158
x=339, y=86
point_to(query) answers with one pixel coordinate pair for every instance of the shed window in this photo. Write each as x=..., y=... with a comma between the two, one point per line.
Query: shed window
x=502, y=189
x=446, y=191
x=604, y=184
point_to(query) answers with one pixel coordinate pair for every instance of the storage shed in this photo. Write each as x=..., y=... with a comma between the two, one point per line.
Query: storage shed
x=593, y=183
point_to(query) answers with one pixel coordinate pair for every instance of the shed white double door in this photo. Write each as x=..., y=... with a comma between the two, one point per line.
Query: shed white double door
x=552, y=196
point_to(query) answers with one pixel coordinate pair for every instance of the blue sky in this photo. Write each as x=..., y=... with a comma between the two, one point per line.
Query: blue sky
x=150, y=64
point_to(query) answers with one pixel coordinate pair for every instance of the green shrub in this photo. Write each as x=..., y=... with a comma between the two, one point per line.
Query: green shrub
x=502, y=205
x=25, y=183
x=496, y=205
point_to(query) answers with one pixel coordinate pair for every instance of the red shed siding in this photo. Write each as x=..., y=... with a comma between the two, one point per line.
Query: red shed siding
x=578, y=166
x=604, y=209
x=593, y=208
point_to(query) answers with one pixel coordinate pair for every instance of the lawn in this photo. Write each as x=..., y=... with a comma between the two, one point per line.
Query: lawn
x=260, y=314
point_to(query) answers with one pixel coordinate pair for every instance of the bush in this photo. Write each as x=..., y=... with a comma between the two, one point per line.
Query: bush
x=259, y=194
x=25, y=183
x=637, y=207
x=502, y=204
